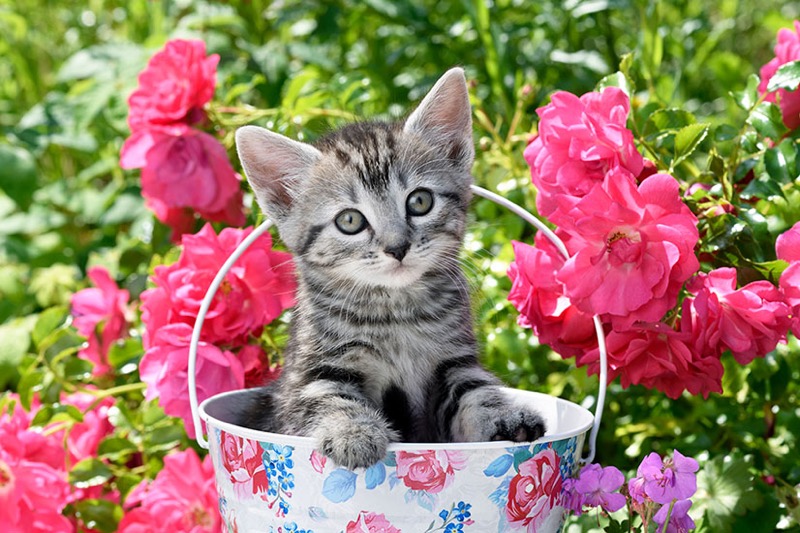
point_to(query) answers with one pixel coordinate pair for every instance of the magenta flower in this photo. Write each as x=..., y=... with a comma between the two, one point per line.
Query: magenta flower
x=786, y=50
x=598, y=487
x=673, y=479
x=182, y=498
x=100, y=315
x=256, y=291
x=184, y=171
x=165, y=365
x=632, y=249
x=571, y=499
x=579, y=141
x=787, y=248
x=679, y=519
x=33, y=479
x=177, y=83
x=539, y=298
x=657, y=356
x=749, y=321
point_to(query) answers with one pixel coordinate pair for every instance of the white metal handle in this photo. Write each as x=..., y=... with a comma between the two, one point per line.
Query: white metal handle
x=260, y=230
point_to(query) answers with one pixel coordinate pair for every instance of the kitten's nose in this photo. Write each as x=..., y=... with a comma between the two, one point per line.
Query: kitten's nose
x=398, y=251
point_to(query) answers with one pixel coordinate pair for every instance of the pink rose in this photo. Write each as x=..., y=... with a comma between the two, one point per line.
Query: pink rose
x=184, y=170
x=258, y=288
x=786, y=50
x=632, y=249
x=102, y=307
x=430, y=471
x=534, y=491
x=579, y=141
x=84, y=437
x=787, y=248
x=242, y=461
x=177, y=82
x=749, y=321
x=165, y=365
x=539, y=298
x=30, y=462
x=657, y=356
x=368, y=522
x=182, y=498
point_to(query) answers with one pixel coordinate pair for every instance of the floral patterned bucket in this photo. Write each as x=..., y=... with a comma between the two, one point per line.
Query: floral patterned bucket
x=271, y=483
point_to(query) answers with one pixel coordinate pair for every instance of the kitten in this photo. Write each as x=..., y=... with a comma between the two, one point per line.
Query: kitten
x=381, y=347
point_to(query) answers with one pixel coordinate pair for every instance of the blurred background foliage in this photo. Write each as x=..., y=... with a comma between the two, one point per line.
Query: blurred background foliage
x=303, y=67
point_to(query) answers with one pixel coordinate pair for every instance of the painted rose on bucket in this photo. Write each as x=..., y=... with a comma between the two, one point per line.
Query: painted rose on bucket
x=369, y=522
x=429, y=471
x=534, y=491
x=241, y=459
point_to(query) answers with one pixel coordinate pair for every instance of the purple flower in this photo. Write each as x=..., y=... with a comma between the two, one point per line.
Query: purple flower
x=679, y=519
x=636, y=489
x=598, y=486
x=570, y=498
x=670, y=480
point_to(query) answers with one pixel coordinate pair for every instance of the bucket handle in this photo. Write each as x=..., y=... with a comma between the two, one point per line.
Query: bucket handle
x=478, y=191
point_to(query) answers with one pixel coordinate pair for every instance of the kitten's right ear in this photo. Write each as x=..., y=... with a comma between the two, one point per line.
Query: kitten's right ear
x=273, y=165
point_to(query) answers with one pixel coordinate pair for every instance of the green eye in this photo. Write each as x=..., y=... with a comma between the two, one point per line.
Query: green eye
x=419, y=202
x=350, y=221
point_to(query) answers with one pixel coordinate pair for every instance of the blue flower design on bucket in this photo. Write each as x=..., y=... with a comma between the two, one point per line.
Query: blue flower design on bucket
x=278, y=464
x=454, y=519
x=289, y=527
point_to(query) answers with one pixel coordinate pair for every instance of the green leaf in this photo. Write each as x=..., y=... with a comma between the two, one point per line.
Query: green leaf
x=116, y=448
x=124, y=352
x=53, y=285
x=665, y=120
x=786, y=77
x=687, y=140
x=617, y=79
x=17, y=174
x=725, y=492
x=16, y=336
x=767, y=120
x=747, y=98
x=47, y=322
x=89, y=473
x=98, y=515
x=57, y=413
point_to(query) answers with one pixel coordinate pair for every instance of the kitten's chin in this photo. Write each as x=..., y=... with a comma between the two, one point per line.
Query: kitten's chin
x=393, y=278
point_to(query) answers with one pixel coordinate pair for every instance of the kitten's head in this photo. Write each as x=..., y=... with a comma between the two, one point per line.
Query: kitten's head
x=373, y=203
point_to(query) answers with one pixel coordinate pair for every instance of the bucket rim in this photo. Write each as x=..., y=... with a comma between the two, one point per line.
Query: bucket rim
x=309, y=442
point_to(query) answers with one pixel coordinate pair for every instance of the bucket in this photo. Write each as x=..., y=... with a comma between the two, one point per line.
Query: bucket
x=280, y=484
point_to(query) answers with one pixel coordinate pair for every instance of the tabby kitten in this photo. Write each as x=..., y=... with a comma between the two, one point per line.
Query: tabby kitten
x=381, y=346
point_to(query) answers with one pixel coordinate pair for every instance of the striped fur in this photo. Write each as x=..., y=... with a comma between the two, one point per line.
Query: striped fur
x=381, y=346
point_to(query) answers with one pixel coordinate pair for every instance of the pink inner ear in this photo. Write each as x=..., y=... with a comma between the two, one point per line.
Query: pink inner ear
x=445, y=109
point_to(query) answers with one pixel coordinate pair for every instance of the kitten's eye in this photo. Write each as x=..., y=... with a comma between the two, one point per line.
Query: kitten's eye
x=350, y=221
x=419, y=202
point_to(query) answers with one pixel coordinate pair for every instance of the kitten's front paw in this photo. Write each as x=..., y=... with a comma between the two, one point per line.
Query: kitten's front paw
x=518, y=425
x=354, y=443
x=488, y=414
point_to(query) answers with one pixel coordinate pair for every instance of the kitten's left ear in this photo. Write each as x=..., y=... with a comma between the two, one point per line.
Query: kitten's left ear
x=444, y=118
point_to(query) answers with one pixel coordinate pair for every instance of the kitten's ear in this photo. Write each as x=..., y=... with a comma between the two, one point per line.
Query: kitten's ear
x=273, y=165
x=444, y=118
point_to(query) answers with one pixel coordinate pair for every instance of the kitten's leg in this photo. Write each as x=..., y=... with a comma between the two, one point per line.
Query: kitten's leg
x=472, y=407
x=344, y=424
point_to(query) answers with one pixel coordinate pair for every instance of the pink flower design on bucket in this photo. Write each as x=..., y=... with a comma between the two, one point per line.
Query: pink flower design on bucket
x=369, y=522
x=241, y=459
x=534, y=491
x=430, y=471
